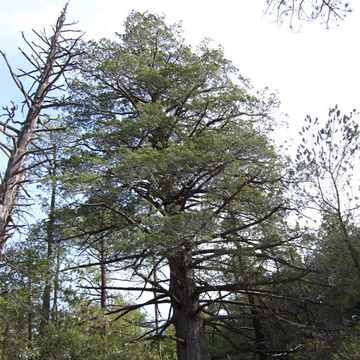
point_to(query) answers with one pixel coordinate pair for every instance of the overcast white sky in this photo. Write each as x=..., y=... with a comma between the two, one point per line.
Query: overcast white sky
x=313, y=69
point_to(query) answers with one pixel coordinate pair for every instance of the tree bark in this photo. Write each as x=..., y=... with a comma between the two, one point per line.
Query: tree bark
x=191, y=344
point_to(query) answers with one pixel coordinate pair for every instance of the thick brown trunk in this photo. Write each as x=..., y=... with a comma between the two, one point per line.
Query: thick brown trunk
x=189, y=326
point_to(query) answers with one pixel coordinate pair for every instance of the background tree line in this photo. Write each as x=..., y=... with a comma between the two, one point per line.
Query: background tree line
x=157, y=178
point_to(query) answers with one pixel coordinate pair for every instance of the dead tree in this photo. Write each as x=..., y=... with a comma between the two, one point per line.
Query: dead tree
x=50, y=58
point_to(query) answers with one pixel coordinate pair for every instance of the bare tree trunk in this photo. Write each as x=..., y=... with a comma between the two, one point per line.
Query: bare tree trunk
x=47, y=72
x=189, y=325
x=50, y=250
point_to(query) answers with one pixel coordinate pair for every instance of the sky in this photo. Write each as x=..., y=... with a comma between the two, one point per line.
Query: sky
x=312, y=68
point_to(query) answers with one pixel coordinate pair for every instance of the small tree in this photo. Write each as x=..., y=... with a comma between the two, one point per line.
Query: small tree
x=325, y=160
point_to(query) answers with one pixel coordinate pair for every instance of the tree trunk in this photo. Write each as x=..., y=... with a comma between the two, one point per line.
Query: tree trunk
x=56, y=283
x=50, y=250
x=12, y=178
x=14, y=171
x=259, y=334
x=189, y=326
